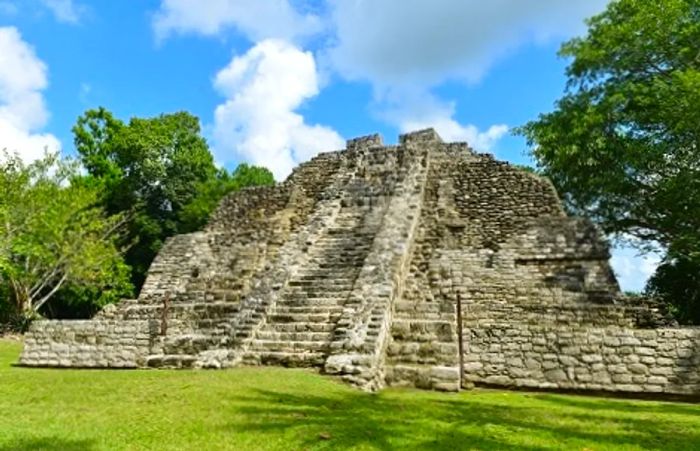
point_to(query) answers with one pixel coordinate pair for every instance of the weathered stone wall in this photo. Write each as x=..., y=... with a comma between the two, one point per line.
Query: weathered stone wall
x=86, y=344
x=582, y=358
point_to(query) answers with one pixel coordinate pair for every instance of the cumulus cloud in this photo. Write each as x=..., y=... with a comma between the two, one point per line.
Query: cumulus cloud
x=406, y=48
x=64, y=10
x=389, y=42
x=22, y=108
x=414, y=109
x=258, y=122
x=256, y=19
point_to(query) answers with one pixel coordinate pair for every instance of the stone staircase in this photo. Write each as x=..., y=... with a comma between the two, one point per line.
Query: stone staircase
x=424, y=346
x=300, y=328
x=191, y=326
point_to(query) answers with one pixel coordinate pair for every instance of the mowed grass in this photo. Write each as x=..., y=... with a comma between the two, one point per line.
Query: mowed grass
x=280, y=409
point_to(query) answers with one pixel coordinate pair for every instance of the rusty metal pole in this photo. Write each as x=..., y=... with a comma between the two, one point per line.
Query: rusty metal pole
x=460, y=344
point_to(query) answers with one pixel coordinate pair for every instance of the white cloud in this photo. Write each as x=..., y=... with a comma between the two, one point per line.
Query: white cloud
x=22, y=108
x=256, y=19
x=258, y=122
x=632, y=267
x=406, y=48
x=64, y=10
x=415, y=41
x=411, y=110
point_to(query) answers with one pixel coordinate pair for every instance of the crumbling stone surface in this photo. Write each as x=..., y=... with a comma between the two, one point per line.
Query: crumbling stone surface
x=355, y=265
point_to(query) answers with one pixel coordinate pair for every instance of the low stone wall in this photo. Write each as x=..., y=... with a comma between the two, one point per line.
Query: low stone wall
x=567, y=358
x=88, y=344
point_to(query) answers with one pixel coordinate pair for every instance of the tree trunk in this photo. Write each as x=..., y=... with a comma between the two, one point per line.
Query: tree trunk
x=23, y=301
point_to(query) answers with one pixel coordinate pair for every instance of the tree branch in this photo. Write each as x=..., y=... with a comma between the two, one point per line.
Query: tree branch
x=53, y=291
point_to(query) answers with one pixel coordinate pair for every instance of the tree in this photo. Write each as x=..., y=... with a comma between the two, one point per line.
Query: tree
x=623, y=144
x=196, y=214
x=150, y=168
x=158, y=170
x=54, y=234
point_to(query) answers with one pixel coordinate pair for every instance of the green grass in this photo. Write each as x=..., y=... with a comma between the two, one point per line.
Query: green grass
x=271, y=408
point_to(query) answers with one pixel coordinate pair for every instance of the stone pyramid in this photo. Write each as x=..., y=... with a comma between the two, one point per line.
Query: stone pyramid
x=356, y=265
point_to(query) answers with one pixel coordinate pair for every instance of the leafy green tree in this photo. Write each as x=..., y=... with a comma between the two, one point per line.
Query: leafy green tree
x=94, y=137
x=150, y=168
x=195, y=214
x=623, y=144
x=160, y=172
x=54, y=234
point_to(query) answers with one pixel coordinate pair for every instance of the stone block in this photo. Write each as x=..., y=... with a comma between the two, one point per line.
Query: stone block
x=556, y=375
x=499, y=380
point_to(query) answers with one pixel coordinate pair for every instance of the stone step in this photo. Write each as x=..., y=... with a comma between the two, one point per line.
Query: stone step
x=340, y=277
x=427, y=316
x=272, y=335
x=413, y=308
x=302, y=293
x=308, y=309
x=443, y=378
x=288, y=346
x=302, y=317
x=427, y=324
x=213, y=323
x=320, y=291
x=425, y=353
x=333, y=262
x=334, y=254
x=302, y=300
x=195, y=307
x=425, y=330
x=322, y=283
x=322, y=264
x=288, y=359
x=302, y=327
x=345, y=245
x=299, y=302
x=192, y=344
x=341, y=247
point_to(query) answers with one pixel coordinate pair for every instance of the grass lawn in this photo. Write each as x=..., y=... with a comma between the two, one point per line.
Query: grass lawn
x=273, y=408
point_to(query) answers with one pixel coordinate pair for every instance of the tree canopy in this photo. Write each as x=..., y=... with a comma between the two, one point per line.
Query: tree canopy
x=623, y=144
x=195, y=214
x=160, y=172
x=55, y=234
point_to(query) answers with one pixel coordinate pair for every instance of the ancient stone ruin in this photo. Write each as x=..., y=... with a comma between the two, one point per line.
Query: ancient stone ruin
x=356, y=264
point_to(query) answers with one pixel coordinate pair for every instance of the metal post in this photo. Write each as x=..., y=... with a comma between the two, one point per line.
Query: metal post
x=164, y=315
x=460, y=343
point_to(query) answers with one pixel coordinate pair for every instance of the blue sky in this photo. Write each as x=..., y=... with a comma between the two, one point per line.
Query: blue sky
x=276, y=81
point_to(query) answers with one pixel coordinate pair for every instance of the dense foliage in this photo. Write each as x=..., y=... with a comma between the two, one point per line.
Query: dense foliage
x=54, y=234
x=194, y=215
x=623, y=144
x=160, y=172
x=149, y=169
x=76, y=238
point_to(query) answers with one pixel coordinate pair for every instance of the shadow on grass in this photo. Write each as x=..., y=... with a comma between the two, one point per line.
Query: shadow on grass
x=386, y=422
x=48, y=444
x=598, y=404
